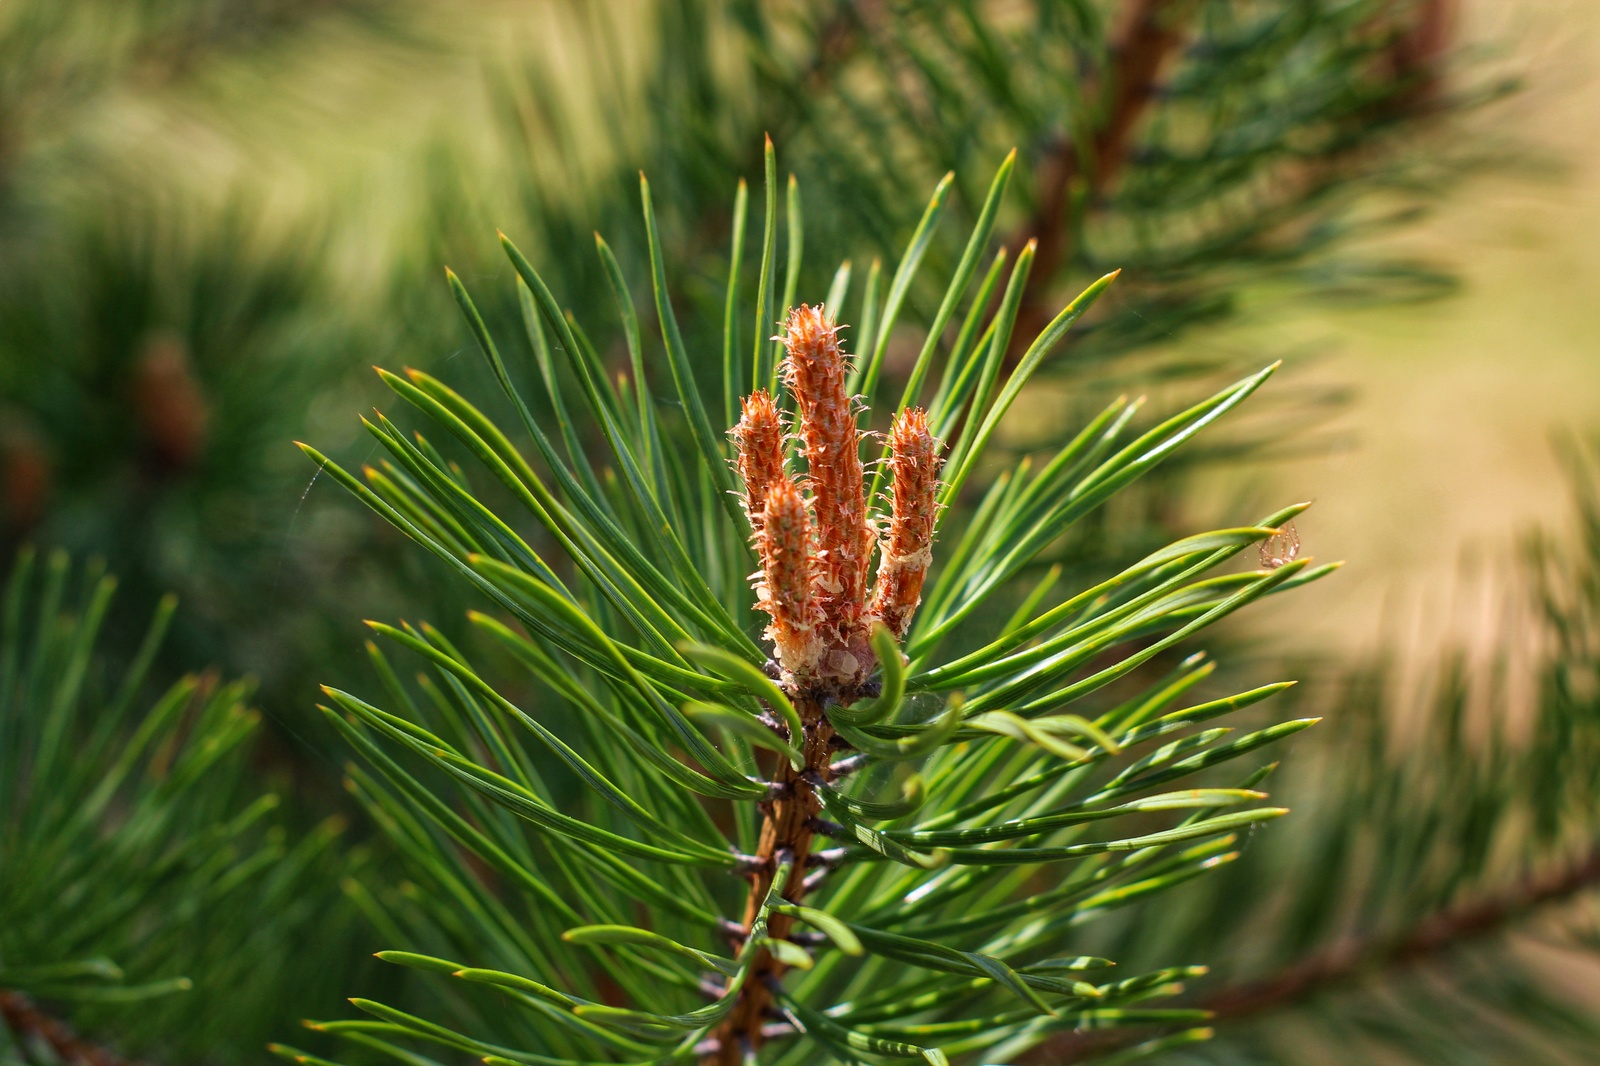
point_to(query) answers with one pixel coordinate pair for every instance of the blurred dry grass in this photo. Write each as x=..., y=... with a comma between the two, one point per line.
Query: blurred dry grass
x=344, y=126
x=1446, y=454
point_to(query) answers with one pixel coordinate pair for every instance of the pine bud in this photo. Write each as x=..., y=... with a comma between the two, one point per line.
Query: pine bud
x=815, y=371
x=785, y=590
x=759, y=437
x=907, y=549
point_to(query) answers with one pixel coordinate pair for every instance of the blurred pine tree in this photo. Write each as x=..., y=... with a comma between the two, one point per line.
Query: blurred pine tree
x=154, y=346
x=151, y=890
x=158, y=349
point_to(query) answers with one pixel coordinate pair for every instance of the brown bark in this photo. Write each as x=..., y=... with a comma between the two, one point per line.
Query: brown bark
x=787, y=828
x=1431, y=936
x=30, y=1025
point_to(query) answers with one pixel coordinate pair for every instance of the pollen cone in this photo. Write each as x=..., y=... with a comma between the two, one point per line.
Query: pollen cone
x=785, y=591
x=815, y=370
x=759, y=438
x=907, y=547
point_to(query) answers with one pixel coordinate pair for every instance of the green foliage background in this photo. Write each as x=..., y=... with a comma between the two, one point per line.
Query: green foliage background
x=267, y=303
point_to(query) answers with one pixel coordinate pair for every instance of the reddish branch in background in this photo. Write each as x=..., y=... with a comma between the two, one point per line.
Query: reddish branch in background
x=816, y=538
x=1077, y=175
x=1350, y=960
x=171, y=405
x=1153, y=34
x=31, y=1026
x=25, y=475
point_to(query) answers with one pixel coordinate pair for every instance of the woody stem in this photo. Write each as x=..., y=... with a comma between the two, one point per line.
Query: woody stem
x=786, y=828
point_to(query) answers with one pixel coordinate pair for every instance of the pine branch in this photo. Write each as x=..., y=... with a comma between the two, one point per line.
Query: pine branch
x=147, y=892
x=1358, y=958
x=1432, y=936
x=967, y=770
x=814, y=585
x=29, y=1024
x=1397, y=84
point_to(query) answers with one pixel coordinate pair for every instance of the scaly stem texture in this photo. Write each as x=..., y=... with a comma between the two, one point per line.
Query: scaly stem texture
x=787, y=827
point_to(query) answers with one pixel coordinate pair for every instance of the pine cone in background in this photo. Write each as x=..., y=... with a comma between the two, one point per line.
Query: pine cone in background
x=170, y=404
x=25, y=474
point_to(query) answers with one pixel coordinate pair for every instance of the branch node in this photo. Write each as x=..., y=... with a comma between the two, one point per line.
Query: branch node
x=848, y=765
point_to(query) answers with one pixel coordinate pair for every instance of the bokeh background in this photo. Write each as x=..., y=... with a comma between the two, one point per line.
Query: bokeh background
x=215, y=215
x=329, y=154
x=1449, y=451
